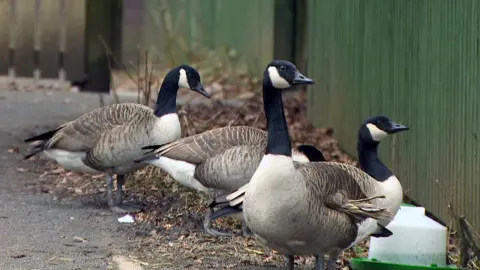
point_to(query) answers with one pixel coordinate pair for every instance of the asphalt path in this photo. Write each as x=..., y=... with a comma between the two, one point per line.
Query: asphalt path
x=36, y=231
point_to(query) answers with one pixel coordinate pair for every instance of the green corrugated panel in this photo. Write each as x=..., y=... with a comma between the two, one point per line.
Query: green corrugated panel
x=246, y=26
x=417, y=62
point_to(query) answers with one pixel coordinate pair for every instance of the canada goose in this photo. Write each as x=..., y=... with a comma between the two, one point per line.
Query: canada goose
x=370, y=133
x=301, y=153
x=313, y=208
x=219, y=160
x=109, y=138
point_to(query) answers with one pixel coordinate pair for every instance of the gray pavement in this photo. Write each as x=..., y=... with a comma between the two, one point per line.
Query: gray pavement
x=37, y=232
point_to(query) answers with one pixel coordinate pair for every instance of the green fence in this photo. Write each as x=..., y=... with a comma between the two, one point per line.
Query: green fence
x=246, y=26
x=417, y=62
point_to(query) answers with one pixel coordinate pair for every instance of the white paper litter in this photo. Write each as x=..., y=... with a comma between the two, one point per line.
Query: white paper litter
x=126, y=219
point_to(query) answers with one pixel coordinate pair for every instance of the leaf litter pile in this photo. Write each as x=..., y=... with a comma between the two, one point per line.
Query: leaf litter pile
x=169, y=231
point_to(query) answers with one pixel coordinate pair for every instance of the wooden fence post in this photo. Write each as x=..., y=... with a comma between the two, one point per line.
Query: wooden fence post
x=103, y=30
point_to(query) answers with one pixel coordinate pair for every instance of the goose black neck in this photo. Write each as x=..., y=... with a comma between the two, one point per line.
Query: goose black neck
x=167, y=98
x=370, y=163
x=278, y=142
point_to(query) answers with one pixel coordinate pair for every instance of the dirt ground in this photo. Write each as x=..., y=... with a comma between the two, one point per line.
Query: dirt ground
x=168, y=233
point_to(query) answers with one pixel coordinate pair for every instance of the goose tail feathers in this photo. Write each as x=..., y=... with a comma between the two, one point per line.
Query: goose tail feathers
x=145, y=159
x=366, y=210
x=35, y=150
x=150, y=147
x=236, y=197
x=362, y=208
x=44, y=136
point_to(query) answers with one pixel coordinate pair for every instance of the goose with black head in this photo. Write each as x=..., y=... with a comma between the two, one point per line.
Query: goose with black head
x=221, y=160
x=110, y=138
x=313, y=208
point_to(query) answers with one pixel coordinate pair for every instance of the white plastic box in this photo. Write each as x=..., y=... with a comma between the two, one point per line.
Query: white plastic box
x=416, y=240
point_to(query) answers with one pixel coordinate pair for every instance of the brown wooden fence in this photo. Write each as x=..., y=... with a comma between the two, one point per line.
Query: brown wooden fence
x=42, y=38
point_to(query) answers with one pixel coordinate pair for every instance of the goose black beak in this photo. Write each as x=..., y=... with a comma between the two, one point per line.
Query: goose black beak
x=395, y=127
x=301, y=79
x=201, y=90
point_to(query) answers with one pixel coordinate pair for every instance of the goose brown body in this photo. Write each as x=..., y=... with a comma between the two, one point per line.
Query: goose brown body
x=282, y=216
x=111, y=137
x=219, y=160
x=311, y=208
x=224, y=158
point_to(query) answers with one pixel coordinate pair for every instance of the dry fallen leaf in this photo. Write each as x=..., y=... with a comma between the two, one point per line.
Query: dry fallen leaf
x=255, y=251
x=14, y=150
x=58, y=170
x=79, y=239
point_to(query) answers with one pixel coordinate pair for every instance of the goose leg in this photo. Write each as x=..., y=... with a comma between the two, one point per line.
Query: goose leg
x=119, y=198
x=246, y=230
x=207, y=225
x=332, y=259
x=289, y=262
x=332, y=264
x=109, y=181
x=319, y=262
x=120, y=183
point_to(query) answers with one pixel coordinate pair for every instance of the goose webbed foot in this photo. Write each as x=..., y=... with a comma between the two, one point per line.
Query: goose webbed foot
x=126, y=209
x=289, y=262
x=319, y=262
x=207, y=225
x=332, y=264
x=114, y=204
x=332, y=259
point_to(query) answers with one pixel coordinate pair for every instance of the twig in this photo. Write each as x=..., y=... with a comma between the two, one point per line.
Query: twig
x=183, y=113
x=468, y=236
x=472, y=229
x=241, y=108
x=213, y=118
x=109, y=56
x=139, y=84
x=258, y=118
x=150, y=83
x=146, y=84
x=238, y=113
x=206, y=124
x=464, y=256
x=167, y=27
x=102, y=102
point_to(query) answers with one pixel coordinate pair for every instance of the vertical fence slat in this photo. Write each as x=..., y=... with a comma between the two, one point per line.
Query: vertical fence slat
x=5, y=18
x=24, y=38
x=416, y=61
x=50, y=33
x=75, y=39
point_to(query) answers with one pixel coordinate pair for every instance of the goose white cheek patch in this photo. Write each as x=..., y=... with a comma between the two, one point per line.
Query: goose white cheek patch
x=277, y=80
x=182, y=79
x=376, y=133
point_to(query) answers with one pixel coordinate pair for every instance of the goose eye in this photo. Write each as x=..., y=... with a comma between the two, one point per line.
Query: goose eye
x=282, y=68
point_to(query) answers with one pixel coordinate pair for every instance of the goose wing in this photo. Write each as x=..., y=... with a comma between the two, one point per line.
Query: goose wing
x=343, y=187
x=338, y=186
x=119, y=145
x=230, y=169
x=84, y=132
x=197, y=148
